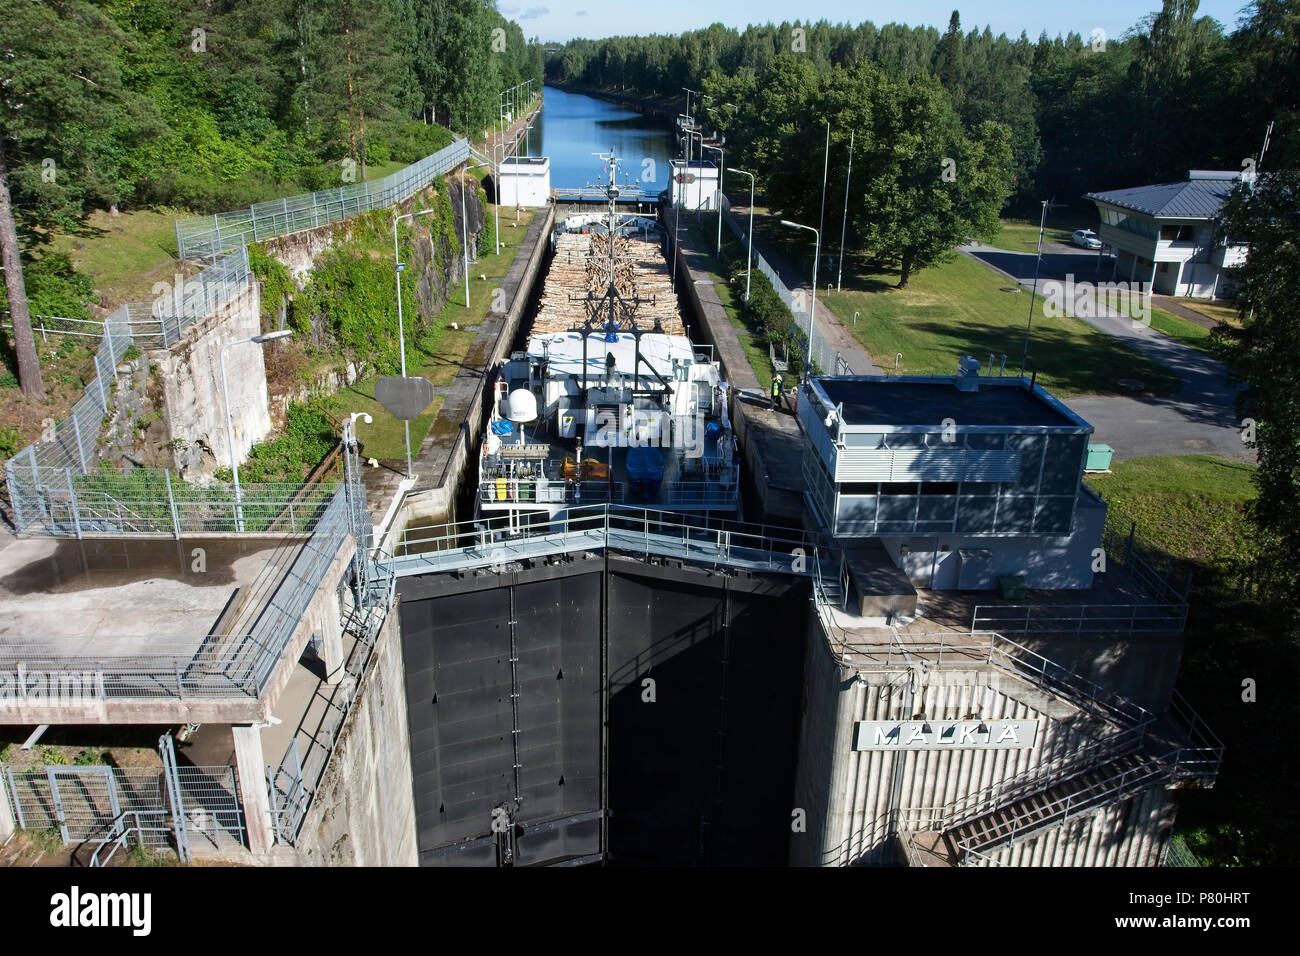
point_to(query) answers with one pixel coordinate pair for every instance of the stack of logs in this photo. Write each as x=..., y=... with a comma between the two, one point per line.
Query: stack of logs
x=579, y=280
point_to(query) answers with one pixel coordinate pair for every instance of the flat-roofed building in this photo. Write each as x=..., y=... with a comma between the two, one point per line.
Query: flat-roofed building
x=525, y=181
x=961, y=479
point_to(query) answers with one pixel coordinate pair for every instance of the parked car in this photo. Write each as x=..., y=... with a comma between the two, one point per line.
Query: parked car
x=1086, y=238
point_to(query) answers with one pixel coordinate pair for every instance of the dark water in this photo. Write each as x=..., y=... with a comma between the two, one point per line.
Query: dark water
x=572, y=128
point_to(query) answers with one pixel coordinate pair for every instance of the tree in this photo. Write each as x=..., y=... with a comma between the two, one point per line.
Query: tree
x=61, y=90
x=1267, y=360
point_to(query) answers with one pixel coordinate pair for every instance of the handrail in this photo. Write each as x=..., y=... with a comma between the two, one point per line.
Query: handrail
x=1038, y=777
x=1127, y=781
x=120, y=833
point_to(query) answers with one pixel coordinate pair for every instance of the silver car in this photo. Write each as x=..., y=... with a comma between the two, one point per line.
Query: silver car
x=1086, y=238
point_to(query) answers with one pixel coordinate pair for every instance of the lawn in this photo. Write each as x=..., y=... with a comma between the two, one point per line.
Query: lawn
x=437, y=355
x=1187, y=332
x=1226, y=314
x=1021, y=235
x=1191, y=507
x=959, y=308
x=704, y=237
x=124, y=254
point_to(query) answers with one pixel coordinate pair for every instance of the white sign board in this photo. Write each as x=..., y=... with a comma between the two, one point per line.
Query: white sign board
x=957, y=734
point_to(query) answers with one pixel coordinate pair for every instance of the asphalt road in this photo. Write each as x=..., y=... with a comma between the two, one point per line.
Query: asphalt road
x=1198, y=419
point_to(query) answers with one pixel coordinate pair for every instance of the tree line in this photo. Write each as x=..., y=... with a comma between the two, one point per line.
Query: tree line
x=209, y=105
x=1081, y=113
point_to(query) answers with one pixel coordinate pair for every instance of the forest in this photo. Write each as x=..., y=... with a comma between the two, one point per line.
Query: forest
x=1176, y=91
x=209, y=105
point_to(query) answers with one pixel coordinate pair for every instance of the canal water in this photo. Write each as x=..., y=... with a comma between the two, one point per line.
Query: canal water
x=572, y=128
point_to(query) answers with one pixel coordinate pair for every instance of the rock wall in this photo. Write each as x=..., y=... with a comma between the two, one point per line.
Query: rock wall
x=364, y=811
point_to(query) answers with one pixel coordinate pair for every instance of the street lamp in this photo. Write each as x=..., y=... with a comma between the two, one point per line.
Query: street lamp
x=749, y=255
x=230, y=428
x=1029, y=322
x=398, y=266
x=464, y=227
x=812, y=314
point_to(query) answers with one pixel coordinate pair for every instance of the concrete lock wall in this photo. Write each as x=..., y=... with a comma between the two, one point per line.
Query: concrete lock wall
x=193, y=406
x=858, y=800
x=363, y=814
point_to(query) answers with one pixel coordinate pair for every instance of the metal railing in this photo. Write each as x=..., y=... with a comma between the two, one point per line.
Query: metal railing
x=1038, y=777
x=295, y=781
x=1062, y=619
x=498, y=540
x=1090, y=795
x=206, y=236
x=62, y=502
x=141, y=827
x=215, y=665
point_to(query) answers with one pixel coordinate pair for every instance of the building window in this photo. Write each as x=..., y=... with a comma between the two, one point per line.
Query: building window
x=1176, y=233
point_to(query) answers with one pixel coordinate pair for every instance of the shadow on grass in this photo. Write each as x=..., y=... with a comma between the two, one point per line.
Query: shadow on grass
x=1056, y=355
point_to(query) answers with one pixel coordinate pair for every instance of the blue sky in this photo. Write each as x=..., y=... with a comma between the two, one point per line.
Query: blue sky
x=559, y=20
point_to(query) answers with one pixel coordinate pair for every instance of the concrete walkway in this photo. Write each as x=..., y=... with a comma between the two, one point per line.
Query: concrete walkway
x=1198, y=418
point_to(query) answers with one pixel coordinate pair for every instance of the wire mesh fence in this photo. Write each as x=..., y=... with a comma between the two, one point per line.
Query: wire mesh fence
x=83, y=803
x=222, y=663
x=64, y=502
x=207, y=236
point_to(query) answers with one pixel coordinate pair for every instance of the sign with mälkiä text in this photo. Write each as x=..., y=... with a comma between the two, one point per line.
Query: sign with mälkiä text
x=941, y=734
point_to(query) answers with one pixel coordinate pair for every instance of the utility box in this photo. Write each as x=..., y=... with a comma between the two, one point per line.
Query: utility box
x=1098, y=458
x=525, y=181
x=693, y=185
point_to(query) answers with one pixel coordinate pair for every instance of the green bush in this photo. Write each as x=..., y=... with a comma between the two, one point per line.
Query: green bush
x=54, y=287
x=9, y=440
x=308, y=437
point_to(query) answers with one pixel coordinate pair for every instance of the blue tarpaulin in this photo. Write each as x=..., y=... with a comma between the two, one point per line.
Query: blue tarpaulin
x=503, y=428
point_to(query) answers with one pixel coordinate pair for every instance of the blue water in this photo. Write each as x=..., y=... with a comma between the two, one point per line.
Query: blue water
x=572, y=128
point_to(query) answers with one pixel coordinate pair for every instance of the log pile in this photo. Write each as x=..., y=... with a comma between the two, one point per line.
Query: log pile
x=577, y=283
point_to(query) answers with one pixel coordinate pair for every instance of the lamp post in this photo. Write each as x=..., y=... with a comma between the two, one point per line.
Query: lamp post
x=398, y=266
x=1029, y=322
x=812, y=314
x=464, y=228
x=230, y=428
x=749, y=255
x=845, y=223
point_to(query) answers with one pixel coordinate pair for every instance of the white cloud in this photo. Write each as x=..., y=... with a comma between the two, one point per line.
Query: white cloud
x=533, y=12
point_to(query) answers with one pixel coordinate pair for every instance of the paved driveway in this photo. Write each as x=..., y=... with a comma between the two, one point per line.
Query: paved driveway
x=1198, y=418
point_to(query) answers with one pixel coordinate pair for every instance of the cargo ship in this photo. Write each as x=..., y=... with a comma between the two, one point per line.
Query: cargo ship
x=610, y=401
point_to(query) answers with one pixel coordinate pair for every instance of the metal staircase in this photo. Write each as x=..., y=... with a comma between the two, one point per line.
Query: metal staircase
x=1054, y=804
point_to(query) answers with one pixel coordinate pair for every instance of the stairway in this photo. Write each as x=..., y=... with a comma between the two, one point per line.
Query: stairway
x=1054, y=804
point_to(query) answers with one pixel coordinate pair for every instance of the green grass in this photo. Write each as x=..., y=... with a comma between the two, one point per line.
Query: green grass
x=1185, y=331
x=437, y=355
x=958, y=308
x=1189, y=507
x=704, y=237
x=124, y=254
x=1226, y=314
x=384, y=438
x=1020, y=235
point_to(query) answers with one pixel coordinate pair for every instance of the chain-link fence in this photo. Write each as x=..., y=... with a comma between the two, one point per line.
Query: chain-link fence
x=827, y=359
x=207, y=236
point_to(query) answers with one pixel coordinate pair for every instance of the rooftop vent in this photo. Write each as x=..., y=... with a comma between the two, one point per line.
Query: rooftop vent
x=968, y=374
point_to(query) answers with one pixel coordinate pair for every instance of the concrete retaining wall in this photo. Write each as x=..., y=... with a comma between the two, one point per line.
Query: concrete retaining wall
x=364, y=812
x=193, y=408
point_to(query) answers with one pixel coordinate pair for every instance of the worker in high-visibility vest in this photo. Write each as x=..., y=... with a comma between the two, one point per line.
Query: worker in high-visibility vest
x=776, y=389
